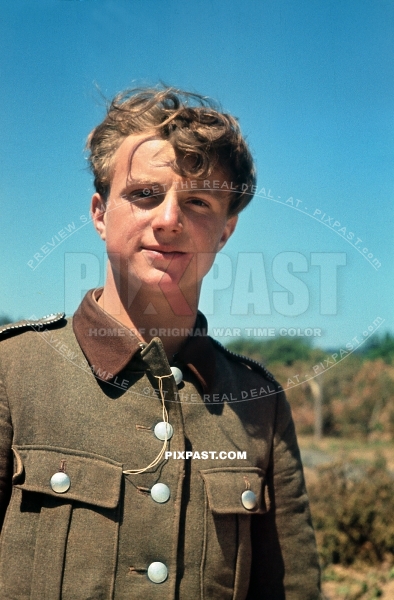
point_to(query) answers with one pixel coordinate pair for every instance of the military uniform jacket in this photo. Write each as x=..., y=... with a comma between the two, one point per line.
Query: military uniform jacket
x=79, y=398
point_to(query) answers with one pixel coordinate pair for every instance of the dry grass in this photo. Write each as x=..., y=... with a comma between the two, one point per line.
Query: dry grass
x=357, y=451
x=359, y=581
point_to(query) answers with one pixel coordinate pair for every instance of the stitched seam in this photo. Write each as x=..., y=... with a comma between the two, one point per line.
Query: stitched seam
x=11, y=457
x=256, y=366
x=236, y=566
x=204, y=549
x=116, y=552
x=2, y=382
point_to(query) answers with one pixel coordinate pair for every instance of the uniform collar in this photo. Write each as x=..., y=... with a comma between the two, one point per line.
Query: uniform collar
x=109, y=346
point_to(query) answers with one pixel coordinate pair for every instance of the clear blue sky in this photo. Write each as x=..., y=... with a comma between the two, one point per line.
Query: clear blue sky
x=312, y=83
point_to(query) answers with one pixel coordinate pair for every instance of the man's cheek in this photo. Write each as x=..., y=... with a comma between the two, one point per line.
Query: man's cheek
x=203, y=263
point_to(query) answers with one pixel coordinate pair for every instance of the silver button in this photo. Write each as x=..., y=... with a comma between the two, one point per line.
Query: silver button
x=178, y=375
x=160, y=492
x=160, y=430
x=249, y=500
x=157, y=572
x=60, y=482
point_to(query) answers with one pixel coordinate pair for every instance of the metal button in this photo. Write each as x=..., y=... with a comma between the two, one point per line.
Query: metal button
x=60, y=482
x=161, y=428
x=249, y=500
x=157, y=572
x=160, y=492
x=178, y=375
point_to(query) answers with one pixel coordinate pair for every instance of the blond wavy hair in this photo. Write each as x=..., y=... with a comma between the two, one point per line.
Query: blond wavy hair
x=194, y=126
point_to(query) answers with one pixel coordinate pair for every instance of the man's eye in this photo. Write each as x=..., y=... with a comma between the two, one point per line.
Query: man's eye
x=198, y=202
x=136, y=195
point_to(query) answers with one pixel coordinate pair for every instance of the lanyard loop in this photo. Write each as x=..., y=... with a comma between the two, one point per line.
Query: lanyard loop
x=165, y=419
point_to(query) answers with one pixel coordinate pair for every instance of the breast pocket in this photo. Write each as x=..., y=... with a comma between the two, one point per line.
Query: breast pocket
x=232, y=495
x=60, y=540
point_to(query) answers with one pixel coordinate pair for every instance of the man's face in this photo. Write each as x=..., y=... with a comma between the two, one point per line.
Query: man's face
x=161, y=230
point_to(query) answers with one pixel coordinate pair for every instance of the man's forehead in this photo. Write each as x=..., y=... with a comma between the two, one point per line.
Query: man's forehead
x=145, y=149
x=144, y=155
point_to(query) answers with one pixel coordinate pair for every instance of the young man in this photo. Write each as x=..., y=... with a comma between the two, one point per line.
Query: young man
x=138, y=457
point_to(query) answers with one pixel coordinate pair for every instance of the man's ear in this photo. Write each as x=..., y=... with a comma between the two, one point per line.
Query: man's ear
x=228, y=231
x=98, y=212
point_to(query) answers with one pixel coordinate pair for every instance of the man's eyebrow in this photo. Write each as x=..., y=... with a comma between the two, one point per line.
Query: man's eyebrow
x=180, y=186
x=145, y=182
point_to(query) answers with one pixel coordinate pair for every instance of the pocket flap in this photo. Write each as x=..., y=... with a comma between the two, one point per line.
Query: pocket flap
x=94, y=479
x=225, y=487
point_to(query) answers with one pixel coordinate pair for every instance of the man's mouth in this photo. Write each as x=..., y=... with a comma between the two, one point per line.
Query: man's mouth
x=165, y=253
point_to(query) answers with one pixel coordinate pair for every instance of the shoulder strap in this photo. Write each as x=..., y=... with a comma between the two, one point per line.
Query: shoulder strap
x=253, y=364
x=36, y=324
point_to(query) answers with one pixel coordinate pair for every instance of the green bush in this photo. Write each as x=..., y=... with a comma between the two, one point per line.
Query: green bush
x=379, y=346
x=352, y=510
x=285, y=350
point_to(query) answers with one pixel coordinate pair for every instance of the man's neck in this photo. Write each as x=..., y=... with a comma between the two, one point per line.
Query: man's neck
x=151, y=315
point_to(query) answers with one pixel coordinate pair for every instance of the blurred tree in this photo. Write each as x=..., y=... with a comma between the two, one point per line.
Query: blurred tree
x=285, y=350
x=379, y=346
x=5, y=319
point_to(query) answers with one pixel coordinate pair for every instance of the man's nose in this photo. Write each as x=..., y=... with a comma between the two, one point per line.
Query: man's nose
x=168, y=214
